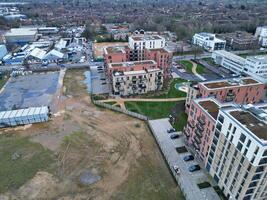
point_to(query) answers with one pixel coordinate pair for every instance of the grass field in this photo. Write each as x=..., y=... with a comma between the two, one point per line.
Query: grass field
x=200, y=69
x=172, y=91
x=153, y=110
x=32, y=158
x=180, y=121
x=187, y=65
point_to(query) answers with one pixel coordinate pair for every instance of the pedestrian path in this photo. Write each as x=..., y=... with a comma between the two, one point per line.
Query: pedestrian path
x=194, y=70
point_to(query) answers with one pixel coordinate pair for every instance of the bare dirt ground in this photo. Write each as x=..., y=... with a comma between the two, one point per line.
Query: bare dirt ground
x=113, y=146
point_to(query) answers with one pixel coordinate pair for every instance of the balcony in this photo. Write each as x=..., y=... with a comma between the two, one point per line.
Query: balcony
x=201, y=121
x=199, y=127
x=191, y=124
x=198, y=133
x=196, y=146
x=197, y=140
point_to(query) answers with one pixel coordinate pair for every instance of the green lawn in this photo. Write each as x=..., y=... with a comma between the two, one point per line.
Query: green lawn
x=187, y=65
x=153, y=110
x=200, y=69
x=180, y=121
x=3, y=80
x=32, y=158
x=172, y=92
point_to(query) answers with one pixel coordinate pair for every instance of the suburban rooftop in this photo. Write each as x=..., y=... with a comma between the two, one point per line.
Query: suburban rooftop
x=146, y=37
x=251, y=122
x=134, y=63
x=230, y=83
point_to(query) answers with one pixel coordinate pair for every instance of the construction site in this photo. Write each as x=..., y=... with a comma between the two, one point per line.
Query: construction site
x=83, y=152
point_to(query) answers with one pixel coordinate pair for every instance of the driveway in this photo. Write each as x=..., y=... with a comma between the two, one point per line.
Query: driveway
x=187, y=180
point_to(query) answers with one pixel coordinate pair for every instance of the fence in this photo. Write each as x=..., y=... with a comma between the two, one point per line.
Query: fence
x=127, y=112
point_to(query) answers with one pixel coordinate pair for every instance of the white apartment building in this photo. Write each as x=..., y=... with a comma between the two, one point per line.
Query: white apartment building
x=261, y=33
x=237, y=158
x=256, y=66
x=137, y=82
x=143, y=41
x=229, y=60
x=208, y=41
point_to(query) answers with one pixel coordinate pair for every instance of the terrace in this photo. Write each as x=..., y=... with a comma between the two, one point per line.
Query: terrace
x=230, y=83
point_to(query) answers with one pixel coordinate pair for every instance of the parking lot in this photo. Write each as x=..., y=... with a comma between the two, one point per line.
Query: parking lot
x=100, y=84
x=187, y=180
x=29, y=90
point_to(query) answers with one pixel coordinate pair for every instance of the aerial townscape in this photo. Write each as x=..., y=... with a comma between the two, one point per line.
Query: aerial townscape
x=133, y=100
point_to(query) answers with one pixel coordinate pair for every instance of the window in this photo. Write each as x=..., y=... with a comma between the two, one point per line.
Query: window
x=242, y=138
x=256, y=150
x=263, y=161
x=234, y=130
x=239, y=146
x=230, y=126
x=245, y=152
x=248, y=144
x=265, y=152
x=221, y=119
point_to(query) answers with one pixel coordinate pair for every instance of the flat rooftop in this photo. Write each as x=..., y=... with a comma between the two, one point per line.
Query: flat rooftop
x=211, y=107
x=116, y=49
x=251, y=122
x=134, y=63
x=146, y=37
x=230, y=83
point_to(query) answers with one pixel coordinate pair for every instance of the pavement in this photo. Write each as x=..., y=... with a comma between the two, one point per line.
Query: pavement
x=146, y=100
x=100, y=83
x=186, y=180
x=194, y=70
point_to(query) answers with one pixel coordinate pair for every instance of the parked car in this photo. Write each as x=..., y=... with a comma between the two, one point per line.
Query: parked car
x=174, y=136
x=194, y=168
x=104, y=83
x=188, y=158
x=176, y=169
x=171, y=130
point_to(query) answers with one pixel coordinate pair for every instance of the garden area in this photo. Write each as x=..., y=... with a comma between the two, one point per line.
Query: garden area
x=171, y=92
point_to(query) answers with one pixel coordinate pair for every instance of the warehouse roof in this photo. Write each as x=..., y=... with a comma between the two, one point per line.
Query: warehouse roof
x=21, y=31
x=24, y=112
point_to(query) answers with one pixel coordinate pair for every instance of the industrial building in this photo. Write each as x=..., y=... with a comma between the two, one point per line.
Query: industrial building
x=3, y=51
x=208, y=41
x=24, y=116
x=21, y=36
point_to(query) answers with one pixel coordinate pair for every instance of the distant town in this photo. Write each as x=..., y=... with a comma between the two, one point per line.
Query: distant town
x=133, y=100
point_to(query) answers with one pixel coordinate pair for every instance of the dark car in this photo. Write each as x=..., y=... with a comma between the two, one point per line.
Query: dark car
x=171, y=130
x=188, y=158
x=174, y=136
x=104, y=83
x=194, y=168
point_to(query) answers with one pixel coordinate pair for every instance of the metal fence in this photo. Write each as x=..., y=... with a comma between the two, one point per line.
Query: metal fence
x=127, y=112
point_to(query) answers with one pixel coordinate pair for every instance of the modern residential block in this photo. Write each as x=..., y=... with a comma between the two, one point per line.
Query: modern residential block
x=239, y=90
x=132, y=78
x=229, y=60
x=208, y=41
x=261, y=34
x=237, y=158
x=240, y=40
x=201, y=122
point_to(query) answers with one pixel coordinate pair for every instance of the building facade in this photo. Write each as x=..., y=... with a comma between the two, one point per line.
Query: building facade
x=238, y=90
x=261, y=34
x=240, y=40
x=208, y=41
x=229, y=61
x=237, y=158
x=133, y=78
